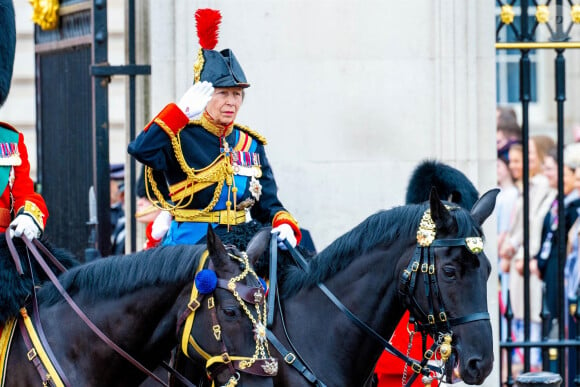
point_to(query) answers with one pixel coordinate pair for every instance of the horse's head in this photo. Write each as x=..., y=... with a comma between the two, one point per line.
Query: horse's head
x=227, y=321
x=445, y=286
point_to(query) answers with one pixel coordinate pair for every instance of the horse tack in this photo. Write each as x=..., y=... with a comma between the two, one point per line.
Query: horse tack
x=426, y=241
x=6, y=336
x=45, y=364
x=424, y=259
x=260, y=363
x=296, y=361
x=39, y=352
x=54, y=372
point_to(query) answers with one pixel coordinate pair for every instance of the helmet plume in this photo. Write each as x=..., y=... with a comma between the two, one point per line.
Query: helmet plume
x=207, y=23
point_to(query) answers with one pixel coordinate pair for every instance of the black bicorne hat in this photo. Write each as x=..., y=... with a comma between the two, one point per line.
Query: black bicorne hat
x=7, y=47
x=221, y=68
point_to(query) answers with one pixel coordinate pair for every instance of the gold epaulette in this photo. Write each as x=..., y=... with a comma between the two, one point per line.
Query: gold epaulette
x=252, y=133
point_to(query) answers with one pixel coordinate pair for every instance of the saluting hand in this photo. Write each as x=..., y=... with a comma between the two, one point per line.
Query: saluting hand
x=195, y=99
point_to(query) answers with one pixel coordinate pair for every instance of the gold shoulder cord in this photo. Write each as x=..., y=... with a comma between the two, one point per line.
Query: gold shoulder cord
x=220, y=171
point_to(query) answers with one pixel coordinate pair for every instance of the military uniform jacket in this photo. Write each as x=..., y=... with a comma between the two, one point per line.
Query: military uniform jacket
x=209, y=168
x=17, y=189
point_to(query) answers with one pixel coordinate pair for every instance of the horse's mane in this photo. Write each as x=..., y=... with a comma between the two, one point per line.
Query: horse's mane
x=382, y=228
x=15, y=289
x=114, y=276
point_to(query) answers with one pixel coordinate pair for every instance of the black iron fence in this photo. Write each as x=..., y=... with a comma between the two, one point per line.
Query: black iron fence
x=72, y=75
x=519, y=26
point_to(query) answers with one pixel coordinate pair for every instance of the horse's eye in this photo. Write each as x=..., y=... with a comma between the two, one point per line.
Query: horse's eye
x=449, y=272
x=229, y=312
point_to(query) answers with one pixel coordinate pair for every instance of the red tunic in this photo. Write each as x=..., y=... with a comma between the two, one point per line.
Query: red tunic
x=389, y=368
x=25, y=200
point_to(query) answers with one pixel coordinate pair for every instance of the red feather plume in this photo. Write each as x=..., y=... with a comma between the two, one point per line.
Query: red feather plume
x=207, y=23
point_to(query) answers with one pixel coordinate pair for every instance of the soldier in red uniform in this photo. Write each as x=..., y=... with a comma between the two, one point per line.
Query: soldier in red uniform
x=21, y=208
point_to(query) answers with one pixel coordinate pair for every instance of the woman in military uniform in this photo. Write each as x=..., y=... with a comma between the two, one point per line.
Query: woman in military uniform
x=216, y=170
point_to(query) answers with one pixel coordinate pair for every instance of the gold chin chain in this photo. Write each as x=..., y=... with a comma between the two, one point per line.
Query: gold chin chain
x=259, y=323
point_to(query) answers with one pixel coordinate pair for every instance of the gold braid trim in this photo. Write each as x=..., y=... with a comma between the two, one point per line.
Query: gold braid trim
x=220, y=172
x=198, y=66
x=159, y=201
x=282, y=216
x=165, y=128
x=216, y=129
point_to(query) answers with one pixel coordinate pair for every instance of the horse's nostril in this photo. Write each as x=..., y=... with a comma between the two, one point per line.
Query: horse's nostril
x=476, y=371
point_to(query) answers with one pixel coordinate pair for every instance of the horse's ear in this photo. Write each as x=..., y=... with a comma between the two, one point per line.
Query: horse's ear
x=258, y=244
x=440, y=215
x=484, y=206
x=215, y=247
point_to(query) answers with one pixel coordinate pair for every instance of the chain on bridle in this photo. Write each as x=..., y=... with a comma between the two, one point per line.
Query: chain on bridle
x=434, y=321
x=260, y=363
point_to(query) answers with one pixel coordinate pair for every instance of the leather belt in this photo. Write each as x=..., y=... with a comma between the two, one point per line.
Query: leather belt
x=230, y=217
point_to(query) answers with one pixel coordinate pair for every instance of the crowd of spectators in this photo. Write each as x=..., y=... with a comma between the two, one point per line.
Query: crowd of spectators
x=542, y=225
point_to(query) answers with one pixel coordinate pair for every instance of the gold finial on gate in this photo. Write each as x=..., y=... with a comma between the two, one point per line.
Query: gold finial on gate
x=45, y=13
x=575, y=13
x=507, y=14
x=542, y=14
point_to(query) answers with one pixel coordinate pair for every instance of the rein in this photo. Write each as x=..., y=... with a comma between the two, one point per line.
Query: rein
x=32, y=247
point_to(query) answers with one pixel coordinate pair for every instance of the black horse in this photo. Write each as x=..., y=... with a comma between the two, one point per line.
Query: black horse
x=425, y=258
x=141, y=301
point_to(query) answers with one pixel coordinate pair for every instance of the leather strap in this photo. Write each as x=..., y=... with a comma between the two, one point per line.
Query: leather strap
x=32, y=355
x=293, y=360
x=182, y=379
x=252, y=295
x=32, y=247
x=273, y=277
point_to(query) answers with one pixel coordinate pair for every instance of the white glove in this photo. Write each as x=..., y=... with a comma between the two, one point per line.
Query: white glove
x=194, y=100
x=285, y=232
x=161, y=225
x=23, y=224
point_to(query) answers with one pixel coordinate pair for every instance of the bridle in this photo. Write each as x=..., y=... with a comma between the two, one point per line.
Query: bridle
x=260, y=363
x=440, y=328
x=434, y=322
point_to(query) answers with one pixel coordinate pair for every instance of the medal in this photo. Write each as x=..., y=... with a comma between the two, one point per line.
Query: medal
x=255, y=188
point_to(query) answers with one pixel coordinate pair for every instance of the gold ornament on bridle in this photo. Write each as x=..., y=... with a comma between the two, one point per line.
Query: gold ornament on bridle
x=445, y=348
x=427, y=230
x=259, y=323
